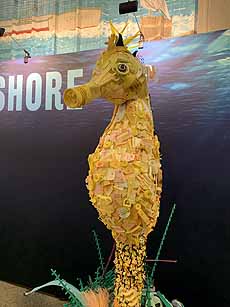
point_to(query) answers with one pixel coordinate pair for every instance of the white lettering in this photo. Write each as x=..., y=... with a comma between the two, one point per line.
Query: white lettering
x=71, y=76
x=34, y=80
x=15, y=93
x=2, y=96
x=53, y=91
x=34, y=88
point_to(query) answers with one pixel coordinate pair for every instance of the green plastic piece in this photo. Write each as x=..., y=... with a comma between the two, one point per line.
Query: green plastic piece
x=161, y=244
x=164, y=299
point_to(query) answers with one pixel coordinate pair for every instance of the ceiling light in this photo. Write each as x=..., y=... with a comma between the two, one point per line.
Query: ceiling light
x=128, y=7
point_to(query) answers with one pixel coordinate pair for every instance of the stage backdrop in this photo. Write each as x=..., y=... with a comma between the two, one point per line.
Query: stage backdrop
x=61, y=26
x=45, y=215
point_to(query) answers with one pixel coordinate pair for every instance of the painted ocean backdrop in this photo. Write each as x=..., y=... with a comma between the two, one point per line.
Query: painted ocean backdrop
x=46, y=218
x=46, y=27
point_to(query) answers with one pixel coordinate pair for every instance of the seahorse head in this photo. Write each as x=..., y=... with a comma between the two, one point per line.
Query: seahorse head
x=118, y=76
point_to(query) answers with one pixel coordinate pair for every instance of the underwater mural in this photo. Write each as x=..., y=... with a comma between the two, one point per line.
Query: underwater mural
x=54, y=27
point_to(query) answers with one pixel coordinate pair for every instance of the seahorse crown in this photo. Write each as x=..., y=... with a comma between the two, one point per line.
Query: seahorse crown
x=116, y=39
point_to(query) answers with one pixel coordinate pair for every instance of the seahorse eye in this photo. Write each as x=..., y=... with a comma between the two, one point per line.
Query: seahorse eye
x=123, y=68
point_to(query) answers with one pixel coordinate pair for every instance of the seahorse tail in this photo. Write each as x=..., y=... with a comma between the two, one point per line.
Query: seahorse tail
x=129, y=265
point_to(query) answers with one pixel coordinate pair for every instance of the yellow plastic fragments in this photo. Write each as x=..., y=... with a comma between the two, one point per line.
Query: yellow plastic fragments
x=125, y=177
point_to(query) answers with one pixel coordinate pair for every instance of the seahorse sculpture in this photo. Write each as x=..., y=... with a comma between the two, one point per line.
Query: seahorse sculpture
x=125, y=177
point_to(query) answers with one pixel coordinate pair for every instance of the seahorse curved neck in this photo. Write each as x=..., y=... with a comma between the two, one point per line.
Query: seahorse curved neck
x=133, y=113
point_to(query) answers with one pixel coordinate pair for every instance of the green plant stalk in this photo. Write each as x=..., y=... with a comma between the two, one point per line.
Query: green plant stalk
x=99, y=251
x=73, y=301
x=161, y=244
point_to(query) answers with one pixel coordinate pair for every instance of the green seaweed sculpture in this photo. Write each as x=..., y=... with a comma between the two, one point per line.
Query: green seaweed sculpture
x=104, y=279
x=161, y=244
x=99, y=250
x=77, y=297
x=149, y=272
x=73, y=300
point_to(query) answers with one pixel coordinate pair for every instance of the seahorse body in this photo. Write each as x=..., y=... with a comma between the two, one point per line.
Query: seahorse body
x=124, y=179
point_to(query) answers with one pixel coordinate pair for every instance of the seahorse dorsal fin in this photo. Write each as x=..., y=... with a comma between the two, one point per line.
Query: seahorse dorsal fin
x=111, y=41
x=113, y=29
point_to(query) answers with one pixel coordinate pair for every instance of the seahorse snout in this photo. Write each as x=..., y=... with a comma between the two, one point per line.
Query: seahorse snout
x=77, y=97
